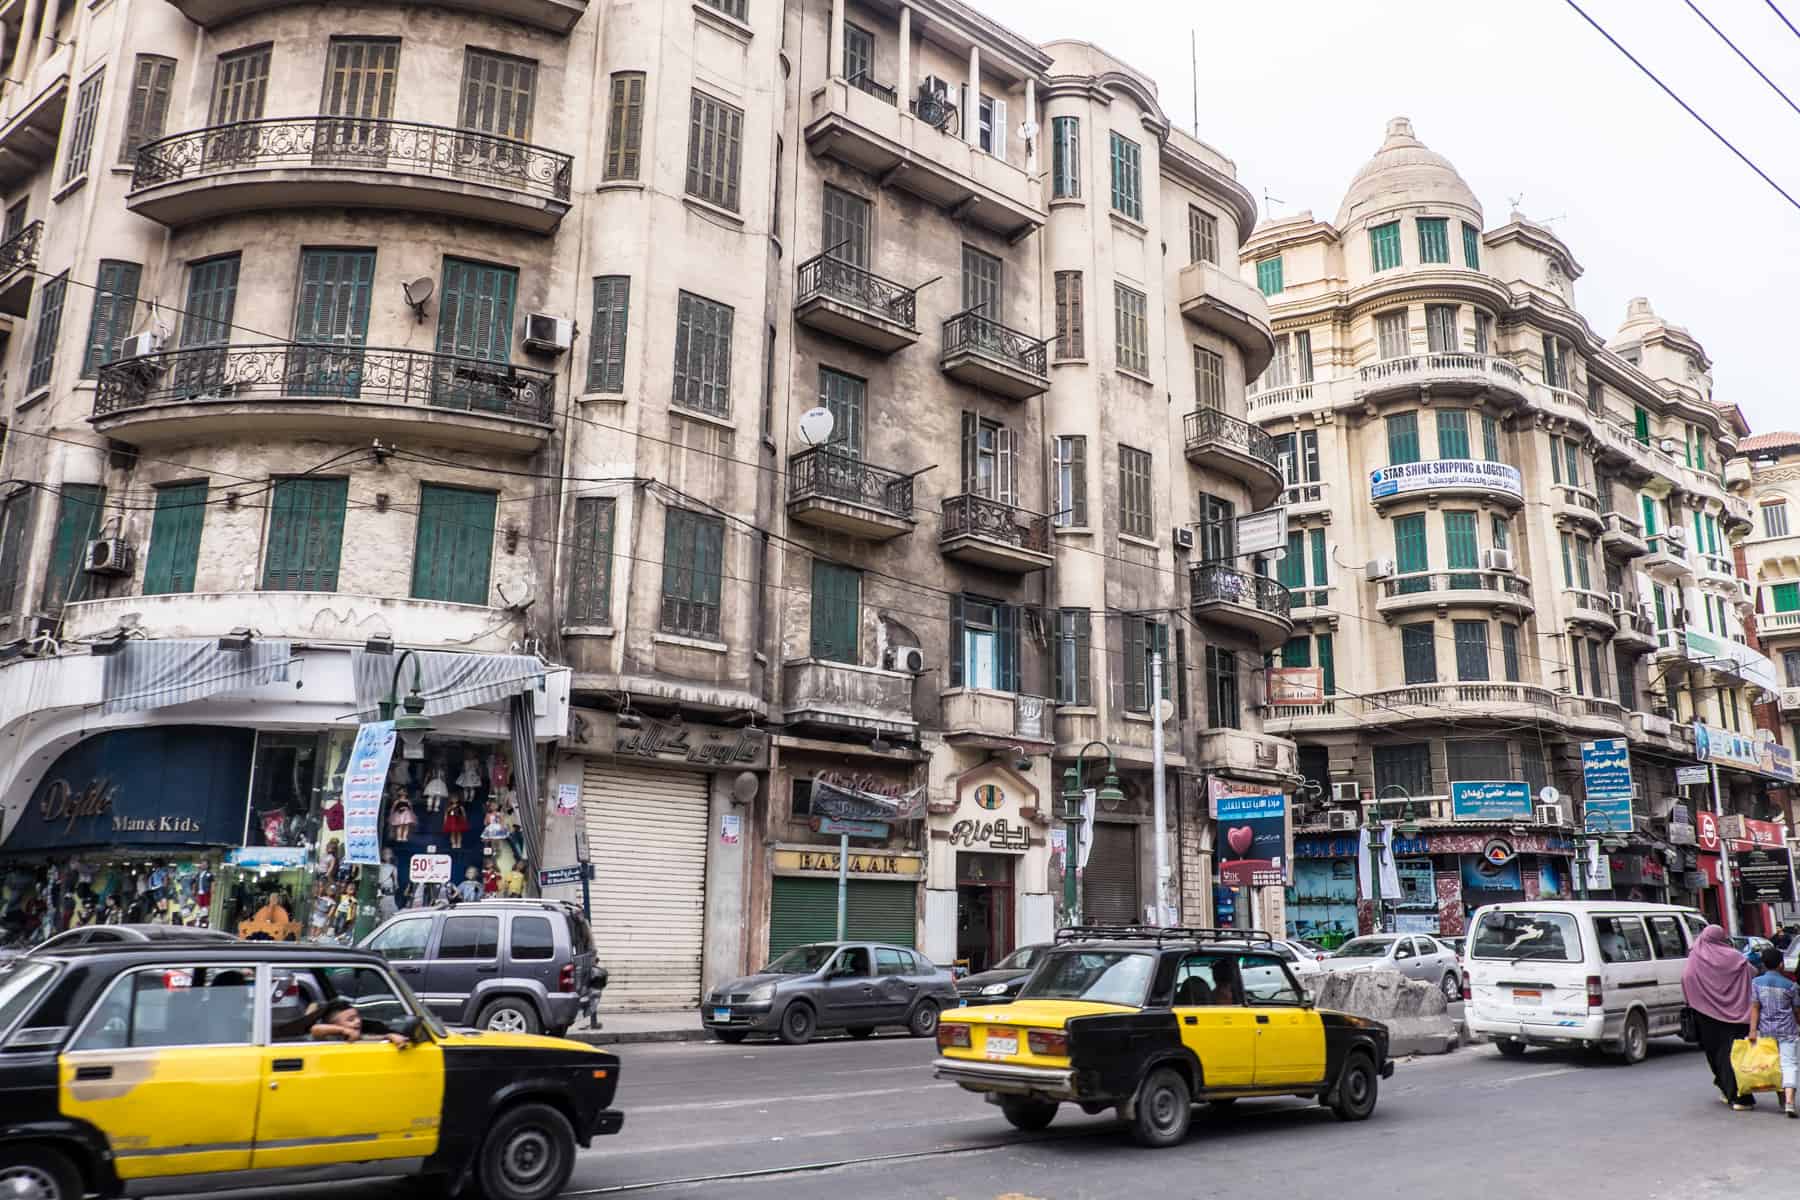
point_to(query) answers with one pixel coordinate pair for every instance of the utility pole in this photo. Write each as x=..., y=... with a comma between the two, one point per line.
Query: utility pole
x=1731, y=916
x=1159, y=791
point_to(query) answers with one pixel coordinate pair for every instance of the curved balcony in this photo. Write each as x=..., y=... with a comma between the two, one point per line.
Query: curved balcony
x=1777, y=625
x=1451, y=374
x=1252, y=604
x=1476, y=701
x=558, y=16
x=1579, y=507
x=990, y=356
x=18, y=267
x=1592, y=608
x=1236, y=311
x=990, y=534
x=1448, y=589
x=832, y=490
x=1221, y=442
x=859, y=306
x=1637, y=632
x=1440, y=478
x=1623, y=536
x=1594, y=712
x=1279, y=402
x=209, y=391
x=1668, y=557
x=1737, y=516
x=310, y=162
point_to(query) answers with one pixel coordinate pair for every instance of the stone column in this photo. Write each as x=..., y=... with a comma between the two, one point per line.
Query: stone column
x=25, y=53
x=1031, y=118
x=836, y=56
x=903, y=85
x=972, y=101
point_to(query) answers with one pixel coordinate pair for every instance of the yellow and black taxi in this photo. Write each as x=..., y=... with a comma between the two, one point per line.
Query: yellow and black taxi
x=186, y=1066
x=1152, y=1021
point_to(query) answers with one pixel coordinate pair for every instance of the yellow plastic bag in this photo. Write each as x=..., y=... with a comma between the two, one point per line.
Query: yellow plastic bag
x=1757, y=1065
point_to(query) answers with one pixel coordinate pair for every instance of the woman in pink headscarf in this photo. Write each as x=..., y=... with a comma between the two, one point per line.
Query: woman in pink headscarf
x=1716, y=985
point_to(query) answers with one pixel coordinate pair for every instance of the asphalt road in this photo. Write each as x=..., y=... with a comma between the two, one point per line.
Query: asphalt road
x=840, y=1119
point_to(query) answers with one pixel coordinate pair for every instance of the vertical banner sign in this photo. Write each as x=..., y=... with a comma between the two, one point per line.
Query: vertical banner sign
x=363, y=782
x=1253, y=840
x=1606, y=777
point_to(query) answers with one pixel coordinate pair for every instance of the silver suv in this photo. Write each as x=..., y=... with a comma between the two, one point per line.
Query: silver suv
x=514, y=966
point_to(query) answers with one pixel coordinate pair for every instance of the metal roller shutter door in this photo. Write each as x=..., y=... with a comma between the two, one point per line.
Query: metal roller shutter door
x=1109, y=882
x=647, y=831
x=803, y=910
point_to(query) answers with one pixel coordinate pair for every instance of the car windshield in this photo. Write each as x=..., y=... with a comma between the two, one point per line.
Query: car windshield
x=1547, y=936
x=1101, y=976
x=21, y=983
x=1022, y=959
x=801, y=960
x=1364, y=947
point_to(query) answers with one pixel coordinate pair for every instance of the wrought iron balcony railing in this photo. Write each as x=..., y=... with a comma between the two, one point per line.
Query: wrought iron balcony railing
x=830, y=474
x=977, y=516
x=1214, y=425
x=404, y=147
x=21, y=249
x=881, y=91
x=969, y=330
x=846, y=283
x=288, y=371
x=1216, y=581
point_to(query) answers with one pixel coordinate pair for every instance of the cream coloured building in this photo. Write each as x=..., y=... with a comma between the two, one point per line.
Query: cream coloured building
x=1768, y=466
x=1509, y=535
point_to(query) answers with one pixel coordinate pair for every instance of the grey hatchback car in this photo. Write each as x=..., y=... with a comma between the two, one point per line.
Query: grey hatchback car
x=854, y=986
x=517, y=966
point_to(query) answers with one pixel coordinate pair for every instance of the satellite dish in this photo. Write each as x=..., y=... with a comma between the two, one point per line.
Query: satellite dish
x=743, y=787
x=1165, y=710
x=1028, y=129
x=816, y=425
x=417, y=293
x=1549, y=795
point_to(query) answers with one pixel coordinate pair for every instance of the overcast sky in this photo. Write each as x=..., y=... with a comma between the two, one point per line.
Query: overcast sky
x=1523, y=97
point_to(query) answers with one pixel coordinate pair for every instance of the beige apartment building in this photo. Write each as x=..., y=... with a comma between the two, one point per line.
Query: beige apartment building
x=1508, y=535
x=1768, y=466
x=484, y=331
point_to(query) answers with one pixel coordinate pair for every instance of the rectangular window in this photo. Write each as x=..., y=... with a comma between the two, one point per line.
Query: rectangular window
x=1222, y=688
x=590, y=561
x=1127, y=177
x=1625, y=677
x=1327, y=662
x=1572, y=461
x=990, y=459
x=1471, y=247
x=1501, y=532
x=845, y=224
x=1303, y=358
x=1596, y=677
x=499, y=92
x=606, y=351
x=1786, y=597
x=1209, y=378
x=1596, y=393
x=1320, y=562
x=306, y=535
x=454, y=553
x=49, y=328
x=1418, y=653
x=859, y=56
x=1641, y=425
x=1477, y=759
x=1384, y=246
x=1471, y=651
x=360, y=78
x=1392, y=339
x=1410, y=553
x=702, y=355
x=175, y=538
x=1137, y=515
x=1441, y=334
x=1484, y=332
x=115, y=300
x=693, y=573
x=81, y=136
x=1203, y=236
x=1073, y=660
x=1461, y=549
x=1453, y=433
x=1556, y=367
x=240, y=86
x=15, y=517
x=1142, y=640
x=1509, y=652
x=211, y=301
x=625, y=125
x=78, y=514
x=984, y=644
x=1407, y=767
x=1434, y=240
x=1268, y=275
x=1290, y=572
x=1790, y=661
x=1279, y=373
x=1070, y=454
x=740, y=9
x=836, y=612
x=1065, y=157
x=1218, y=529
x=1490, y=438
x=1131, y=327
x=715, y=150
x=1071, y=337
x=1296, y=652
x=981, y=283
x=1403, y=438
x=152, y=79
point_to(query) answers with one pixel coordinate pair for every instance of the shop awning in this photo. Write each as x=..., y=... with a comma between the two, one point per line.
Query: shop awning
x=161, y=672
x=448, y=681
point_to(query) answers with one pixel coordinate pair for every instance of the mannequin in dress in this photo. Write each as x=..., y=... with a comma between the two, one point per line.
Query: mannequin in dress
x=387, y=885
x=456, y=821
x=436, y=790
x=401, y=819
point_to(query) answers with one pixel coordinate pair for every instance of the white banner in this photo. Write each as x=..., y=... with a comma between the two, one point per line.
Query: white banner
x=1442, y=473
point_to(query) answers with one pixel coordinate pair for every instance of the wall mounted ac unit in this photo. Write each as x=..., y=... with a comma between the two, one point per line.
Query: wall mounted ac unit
x=1340, y=820
x=1379, y=568
x=1617, y=599
x=547, y=334
x=140, y=344
x=1184, y=537
x=906, y=658
x=1346, y=793
x=1496, y=560
x=1265, y=754
x=108, y=556
x=1547, y=814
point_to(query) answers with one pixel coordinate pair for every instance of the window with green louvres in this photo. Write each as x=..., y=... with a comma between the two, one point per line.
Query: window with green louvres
x=1403, y=438
x=693, y=572
x=1509, y=652
x=78, y=515
x=1127, y=177
x=1291, y=570
x=1649, y=506
x=306, y=535
x=1418, y=653
x=1490, y=438
x=1268, y=275
x=115, y=304
x=1296, y=652
x=1434, y=240
x=1410, y=554
x=606, y=337
x=331, y=321
x=590, y=561
x=1321, y=562
x=1384, y=246
x=836, y=609
x=175, y=538
x=1471, y=247
x=1460, y=548
x=1786, y=597
x=455, y=546
x=1327, y=662
x=49, y=328
x=842, y=395
x=475, y=320
x=1453, y=433
x=1471, y=651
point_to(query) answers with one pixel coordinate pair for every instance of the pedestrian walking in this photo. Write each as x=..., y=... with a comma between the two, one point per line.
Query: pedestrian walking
x=1716, y=984
x=1784, y=937
x=1772, y=997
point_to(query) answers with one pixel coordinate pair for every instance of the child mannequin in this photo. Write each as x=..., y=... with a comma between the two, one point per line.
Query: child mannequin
x=469, y=890
x=456, y=821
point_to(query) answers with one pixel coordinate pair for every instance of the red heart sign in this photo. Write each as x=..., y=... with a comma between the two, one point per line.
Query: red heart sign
x=1241, y=839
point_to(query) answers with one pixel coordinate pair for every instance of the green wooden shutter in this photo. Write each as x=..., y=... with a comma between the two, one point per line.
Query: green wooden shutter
x=1490, y=438
x=606, y=337
x=1268, y=275
x=1296, y=652
x=1649, y=506
x=1320, y=562
x=1384, y=246
x=1410, y=554
x=50, y=300
x=1787, y=597
x=1662, y=612
x=836, y=609
x=77, y=523
x=115, y=300
x=306, y=535
x=331, y=311
x=1460, y=547
x=475, y=313
x=1006, y=647
x=1567, y=561
x=1643, y=426
x=1434, y=240
x=590, y=561
x=455, y=547
x=801, y=911
x=1471, y=247
x=957, y=629
x=1453, y=433
x=211, y=301
x=1403, y=438
x=1327, y=663
x=1292, y=570
x=175, y=538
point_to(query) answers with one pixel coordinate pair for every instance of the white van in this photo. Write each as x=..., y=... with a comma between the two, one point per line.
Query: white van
x=1577, y=972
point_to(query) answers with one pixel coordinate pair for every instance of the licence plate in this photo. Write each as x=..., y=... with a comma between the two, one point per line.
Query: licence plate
x=721, y=1014
x=1527, y=996
x=961, y=1003
x=1002, y=1045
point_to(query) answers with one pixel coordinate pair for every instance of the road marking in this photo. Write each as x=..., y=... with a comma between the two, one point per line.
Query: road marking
x=803, y=1098
x=1510, y=1079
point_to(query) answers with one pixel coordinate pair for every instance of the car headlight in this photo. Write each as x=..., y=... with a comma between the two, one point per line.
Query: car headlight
x=760, y=994
x=994, y=989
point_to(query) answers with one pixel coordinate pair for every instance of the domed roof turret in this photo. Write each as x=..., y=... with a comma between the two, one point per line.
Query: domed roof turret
x=1404, y=171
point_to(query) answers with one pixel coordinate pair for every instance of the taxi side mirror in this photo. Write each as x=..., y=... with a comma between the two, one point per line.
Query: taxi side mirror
x=408, y=1028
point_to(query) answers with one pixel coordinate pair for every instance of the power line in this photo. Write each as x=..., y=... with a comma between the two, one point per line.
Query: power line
x=1734, y=49
x=1783, y=16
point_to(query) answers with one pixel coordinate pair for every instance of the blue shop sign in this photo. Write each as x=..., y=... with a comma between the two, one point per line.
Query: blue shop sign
x=1496, y=800
x=168, y=785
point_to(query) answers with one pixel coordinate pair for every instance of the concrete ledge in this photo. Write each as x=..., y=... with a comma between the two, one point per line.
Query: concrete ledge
x=626, y=1037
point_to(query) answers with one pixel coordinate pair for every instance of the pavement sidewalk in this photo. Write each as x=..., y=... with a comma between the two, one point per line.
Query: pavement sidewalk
x=622, y=1028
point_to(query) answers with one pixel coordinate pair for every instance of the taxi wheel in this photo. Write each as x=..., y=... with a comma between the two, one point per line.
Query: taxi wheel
x=40, y=1173
x=1028, y=1112
x=1356, y=1090
x=797, y=1024
x=924, y=1021
x=1164, y=1108
x=528, y=1155
x=507, y=1015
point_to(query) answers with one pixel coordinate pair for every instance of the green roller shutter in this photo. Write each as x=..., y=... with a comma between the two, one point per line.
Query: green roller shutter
x=882, y=911
x=803, y=910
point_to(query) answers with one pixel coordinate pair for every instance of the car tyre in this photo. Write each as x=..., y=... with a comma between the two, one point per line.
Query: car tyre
x=798, y=1023
x=1164, y=1108
x=528, y=1154
x=860, y=1031
x=1356, y=1090
x=924, y=1020
x=1634, y=1042
x=40, y=1171
x=731, y=1037
x=509, y=1014
x=1451, y=988
x=1510, y=1049
x=1028, y=1112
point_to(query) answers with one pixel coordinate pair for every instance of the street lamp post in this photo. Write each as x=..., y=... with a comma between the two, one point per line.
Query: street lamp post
x=1377, y=846
x=1073, y=819
x=410, y=729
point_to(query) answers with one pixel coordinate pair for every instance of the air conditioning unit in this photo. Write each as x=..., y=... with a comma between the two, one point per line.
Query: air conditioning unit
x=1547, y=814
x=1745, y=591
x=1340, y=820
x=1676, y=533
x=1184, y=537
x=108, y=556
x=1265, y=754
x=1346, y=793
x=1496, y=560
x=138, y=345
x=1379, y=568
x=906, y=658
x=547, y=334
x=1617, y=600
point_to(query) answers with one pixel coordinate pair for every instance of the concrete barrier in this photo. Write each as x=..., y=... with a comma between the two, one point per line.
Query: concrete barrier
x=1416, y=1014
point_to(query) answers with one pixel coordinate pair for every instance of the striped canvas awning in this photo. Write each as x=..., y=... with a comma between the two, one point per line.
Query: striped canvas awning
x=448, y=681
x=144, y=675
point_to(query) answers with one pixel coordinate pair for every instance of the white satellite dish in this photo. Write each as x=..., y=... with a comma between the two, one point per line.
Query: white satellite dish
x=816, y=425
x=1165, y=710
x=1549, y=795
